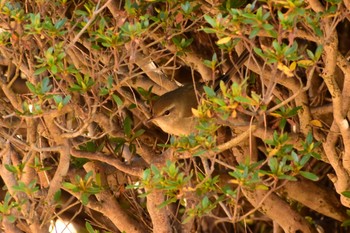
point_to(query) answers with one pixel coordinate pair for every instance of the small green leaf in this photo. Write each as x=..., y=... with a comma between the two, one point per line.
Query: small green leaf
x=318, y=52
x=103, y=91
x=210, y=92
x=346, y=223
x=69, y=186
x=57, y=195
x=127, y=126
x=66, y=99
x=54, y=69
x=40, y=70
x=287, y=177
x=60, y=23
x=89, y=228
x=309, y=175
x=11, y=168
x=146, y=174
x=117, y=100
x=346, y=194
x=139, y=133
x=11, y=218
x=84, y=198
x=254, y=32
x=205, y=202
x=199, y=153
x=167, y=202
x=210, y=20
x=31, y=87
x=267, y=27
x=295, y=157
x=209, y=30
x=219, y=102
x=243, y=100
x=187, y=8
x=273, y=164
x=259, y=52
x=57, y=98
x=304, y=159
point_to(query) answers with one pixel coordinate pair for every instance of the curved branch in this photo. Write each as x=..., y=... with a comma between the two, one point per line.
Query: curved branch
x=128, y=169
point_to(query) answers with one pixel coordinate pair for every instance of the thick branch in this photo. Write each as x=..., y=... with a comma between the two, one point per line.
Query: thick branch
x=279, y=211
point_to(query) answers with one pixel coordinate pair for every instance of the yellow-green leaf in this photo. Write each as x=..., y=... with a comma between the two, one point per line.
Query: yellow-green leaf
x=305, y=63
x=223, y=40
x=316, y=123
x=285, y=69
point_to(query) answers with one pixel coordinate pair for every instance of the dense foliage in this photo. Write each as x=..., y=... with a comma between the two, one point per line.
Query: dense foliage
x=78, y=82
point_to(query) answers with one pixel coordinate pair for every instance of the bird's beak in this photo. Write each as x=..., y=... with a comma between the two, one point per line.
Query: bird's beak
x=151, y=119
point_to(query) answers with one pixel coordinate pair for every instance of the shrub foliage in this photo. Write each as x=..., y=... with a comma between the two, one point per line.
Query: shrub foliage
x=78, y=82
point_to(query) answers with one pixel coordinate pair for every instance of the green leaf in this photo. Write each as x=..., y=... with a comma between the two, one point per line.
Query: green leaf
x=209, y=30
x=346, y=194
x=210, y=20
x=287, y=177
x=243, y=100
x=57, y=99
x=311, y=55
x=45, y=87
x=304, y=160
x=273, y=164
x=309, y=138
x=318, y=52
x=69, y=186
x=291, y=49
x=187, y=8
x=11, y=168
x=84, y=198
x=54, y=69
x=309, y=175
x=132, y=106
x=259, y=52
x=57, y=195
x=40, y=70
x=103, y=91
x=205, y=202
x=167, y=202
x=11, y=218
x=127, y=126
x=117, y=100
x=199, y=153
x=31, y=87
x=138, y=133
x=146, y=174
x=60, y=23
x=254, y=32
x=268, y=27
x=282, y=123
x=346, y=223
x=87, y=176
x=210, y=92
x=219, y=102
x=89, y=228
x=66, y=99
x=295, y=157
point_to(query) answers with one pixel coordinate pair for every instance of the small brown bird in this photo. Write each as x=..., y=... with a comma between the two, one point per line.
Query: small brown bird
x=172, y=112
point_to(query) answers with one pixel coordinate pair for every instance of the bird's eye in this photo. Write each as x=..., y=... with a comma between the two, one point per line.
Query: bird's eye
x=167, y=112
